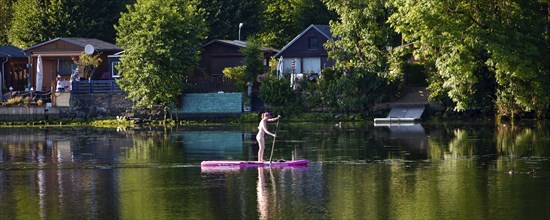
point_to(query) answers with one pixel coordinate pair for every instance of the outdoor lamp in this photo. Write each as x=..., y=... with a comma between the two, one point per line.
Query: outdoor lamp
x=240, y=26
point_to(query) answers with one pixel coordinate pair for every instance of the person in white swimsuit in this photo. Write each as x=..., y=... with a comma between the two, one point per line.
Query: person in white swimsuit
x=262, y=130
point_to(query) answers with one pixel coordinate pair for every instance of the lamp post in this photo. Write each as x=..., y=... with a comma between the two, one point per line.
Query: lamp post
x=240, y=26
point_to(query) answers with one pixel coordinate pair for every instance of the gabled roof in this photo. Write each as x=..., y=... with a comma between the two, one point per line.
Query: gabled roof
x=11, y=51
x=98, y=44
x=323, y=29
x=118, y=54
x=238, y=43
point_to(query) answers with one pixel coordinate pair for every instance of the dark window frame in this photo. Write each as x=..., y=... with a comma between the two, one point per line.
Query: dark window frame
x=312, y=43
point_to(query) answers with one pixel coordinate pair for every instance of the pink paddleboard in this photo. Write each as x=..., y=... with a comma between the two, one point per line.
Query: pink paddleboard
x=242, y=163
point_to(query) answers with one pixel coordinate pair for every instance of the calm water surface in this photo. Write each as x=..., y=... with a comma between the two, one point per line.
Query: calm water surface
x=357, y=171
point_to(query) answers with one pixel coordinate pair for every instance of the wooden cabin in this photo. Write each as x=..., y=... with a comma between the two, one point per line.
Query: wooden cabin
x=13, y=69
x=215, y=57
x=57, y=59
x=306, y=53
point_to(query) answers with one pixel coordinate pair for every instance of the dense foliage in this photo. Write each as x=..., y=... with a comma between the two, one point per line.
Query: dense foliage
x=252, y=66
x=223, y=18
x=483, y=54
x=360, y=50
x=278, y=94
x=160, y=38
x=87, y=64
x=487, y=55
x=5, y=19
x=37, y=21
x=282, y=20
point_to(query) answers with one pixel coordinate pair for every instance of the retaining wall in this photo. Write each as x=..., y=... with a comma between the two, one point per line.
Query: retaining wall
x=86, y=106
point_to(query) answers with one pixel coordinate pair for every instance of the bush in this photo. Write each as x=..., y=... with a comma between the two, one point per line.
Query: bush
x=18, y=100
x=277, y=93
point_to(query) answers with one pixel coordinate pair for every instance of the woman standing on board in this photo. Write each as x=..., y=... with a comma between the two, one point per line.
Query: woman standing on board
x=262, y=130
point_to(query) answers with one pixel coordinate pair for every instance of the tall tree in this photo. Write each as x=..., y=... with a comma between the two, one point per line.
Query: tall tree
x=276, y=27
x=488, y=49
x=37, y=21
x=5, y=20
x=160, y=39
x=282, y=20
x=360, y=50
x=223, y=18
x=96, y=18
x=28, y=23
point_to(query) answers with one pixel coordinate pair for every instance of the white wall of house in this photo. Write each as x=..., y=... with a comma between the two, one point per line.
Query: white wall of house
x=287, y=66
x=303, y=65
x=312, y=65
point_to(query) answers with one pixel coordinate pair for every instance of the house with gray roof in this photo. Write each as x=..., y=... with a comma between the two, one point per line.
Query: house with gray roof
x=13, y=69
x=57, y=59
x=306, y=53
x=217, y=55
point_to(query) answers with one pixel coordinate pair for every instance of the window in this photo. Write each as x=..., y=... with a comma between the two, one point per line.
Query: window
x=114, y=70
x=312, y=43
x=65, y=67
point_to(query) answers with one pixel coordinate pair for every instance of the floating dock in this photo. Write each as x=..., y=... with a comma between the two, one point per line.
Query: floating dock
x=402, y=114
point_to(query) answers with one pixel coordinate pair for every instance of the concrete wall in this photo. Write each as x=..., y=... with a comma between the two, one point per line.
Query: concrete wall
x=86, y=106
x=211, y=103
x=27, y=113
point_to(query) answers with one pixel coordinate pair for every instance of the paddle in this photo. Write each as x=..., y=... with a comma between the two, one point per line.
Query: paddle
x=273, y=146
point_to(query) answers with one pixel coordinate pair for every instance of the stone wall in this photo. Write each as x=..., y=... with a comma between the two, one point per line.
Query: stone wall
x=98, y=105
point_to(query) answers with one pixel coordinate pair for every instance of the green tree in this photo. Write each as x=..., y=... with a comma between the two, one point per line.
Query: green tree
x=5, y=20
x=360, y=51
x=160, y=39
x=252, y=65
x=282, y=20
x=278, y=94
x=37, y=21
x=223, y=18
x=28, y=23
x=95, y=18
x=482, y=52
x=87, y=64
x=253, y=59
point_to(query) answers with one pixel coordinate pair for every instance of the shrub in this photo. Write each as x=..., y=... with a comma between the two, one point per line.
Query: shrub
x=277, y=93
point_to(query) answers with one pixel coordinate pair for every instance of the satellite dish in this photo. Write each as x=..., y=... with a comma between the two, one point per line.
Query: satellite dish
x=89, y=49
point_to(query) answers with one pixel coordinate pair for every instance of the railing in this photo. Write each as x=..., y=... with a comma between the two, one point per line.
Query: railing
x=94, y=86
x=213, y=83
x=35, y=95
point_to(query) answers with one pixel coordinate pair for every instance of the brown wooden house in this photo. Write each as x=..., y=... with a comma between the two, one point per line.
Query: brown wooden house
x=306, y=53
x=13, y=70
x=57, y=57
x=215, y=57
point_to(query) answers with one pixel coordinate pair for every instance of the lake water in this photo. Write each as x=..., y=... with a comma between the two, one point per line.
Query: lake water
x=356, y=171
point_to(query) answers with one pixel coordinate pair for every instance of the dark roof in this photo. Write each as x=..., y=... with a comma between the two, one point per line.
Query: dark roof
x=323, y=29
x=238, y=43
x=98, y=44
x=118, y=54
x=11, y=51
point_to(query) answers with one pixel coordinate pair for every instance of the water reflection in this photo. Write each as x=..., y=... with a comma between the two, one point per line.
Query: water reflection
x=406, y=140
x=263, y=197
x=357, y=171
